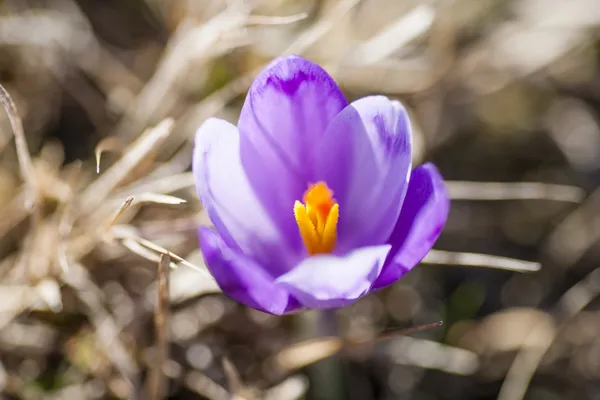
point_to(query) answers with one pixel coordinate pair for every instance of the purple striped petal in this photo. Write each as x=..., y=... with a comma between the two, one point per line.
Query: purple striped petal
x=369, y=176
x=283, y=120
x=236, y=212
x=326, y=281
x=241, y=278
x=421, y=221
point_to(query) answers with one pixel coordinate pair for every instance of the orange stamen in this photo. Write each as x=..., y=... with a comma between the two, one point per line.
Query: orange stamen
x=317, y=219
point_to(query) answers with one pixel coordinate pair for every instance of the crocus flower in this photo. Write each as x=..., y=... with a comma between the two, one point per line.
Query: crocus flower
x=313, y=200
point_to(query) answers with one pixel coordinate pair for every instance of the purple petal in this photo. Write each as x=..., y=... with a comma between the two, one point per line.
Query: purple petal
x=366, y=161
x=325, y=281
x=283, y=120
x=421, y=221
x=230, y=201
x=241, y=278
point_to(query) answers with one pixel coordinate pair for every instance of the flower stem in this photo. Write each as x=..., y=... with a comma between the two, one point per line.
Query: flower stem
x=327, y=376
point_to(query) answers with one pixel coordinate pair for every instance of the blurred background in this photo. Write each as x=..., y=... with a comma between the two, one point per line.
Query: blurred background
x=505, y=99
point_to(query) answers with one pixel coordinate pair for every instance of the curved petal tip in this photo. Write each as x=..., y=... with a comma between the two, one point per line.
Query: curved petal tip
x=422, y=218
x=282, y=121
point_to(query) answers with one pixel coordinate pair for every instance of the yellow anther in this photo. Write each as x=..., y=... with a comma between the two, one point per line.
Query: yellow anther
x=317, y=219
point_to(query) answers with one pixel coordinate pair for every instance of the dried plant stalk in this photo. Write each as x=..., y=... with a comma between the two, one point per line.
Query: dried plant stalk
x=157, y=381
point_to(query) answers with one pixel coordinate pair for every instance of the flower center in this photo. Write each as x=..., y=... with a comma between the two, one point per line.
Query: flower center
x=317, y=218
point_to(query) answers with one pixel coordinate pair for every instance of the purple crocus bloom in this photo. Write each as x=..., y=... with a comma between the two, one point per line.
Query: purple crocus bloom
x=313, y=199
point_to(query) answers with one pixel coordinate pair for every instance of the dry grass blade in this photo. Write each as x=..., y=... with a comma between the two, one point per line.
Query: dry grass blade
x=480, y=260
x=27, y=170
x=203, y=385
x=159, y=249
x=107, y=144
x=157, y=198
x=166, y=184
x=464, y=190
x=132, y=157
x=408, y=331
x=144, y=198
x=307, y=352
x=126, y=204
x=234, y=381
x=127, y=237
x=429, y=354
x=293, y=388
x=267, y=20
x=136, y=248
x=157, y=381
